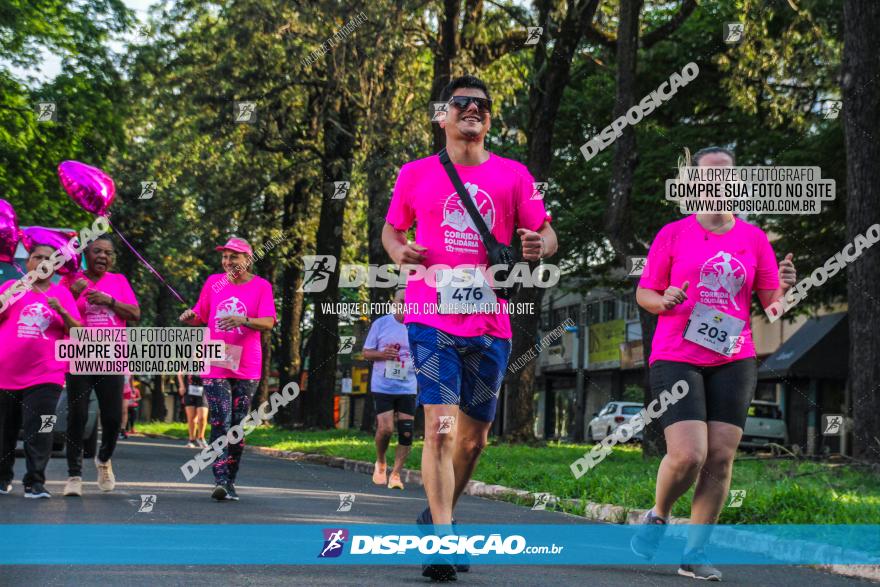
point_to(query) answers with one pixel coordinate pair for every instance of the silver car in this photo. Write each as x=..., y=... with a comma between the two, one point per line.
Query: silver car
x=763, y=426
x=610, y=417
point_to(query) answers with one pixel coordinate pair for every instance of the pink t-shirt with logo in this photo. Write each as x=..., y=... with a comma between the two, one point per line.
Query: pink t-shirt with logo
x=722, y=270
x=221, y=298
x=502, y=190
x=94, y=315
x=28, y=331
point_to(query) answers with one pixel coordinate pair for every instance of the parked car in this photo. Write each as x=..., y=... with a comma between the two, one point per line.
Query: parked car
x=59, y=429
x=763, y=426
x=607, y=420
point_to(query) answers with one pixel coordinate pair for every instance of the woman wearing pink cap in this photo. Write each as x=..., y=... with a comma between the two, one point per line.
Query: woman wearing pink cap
x=236, y=306
x=31, y=378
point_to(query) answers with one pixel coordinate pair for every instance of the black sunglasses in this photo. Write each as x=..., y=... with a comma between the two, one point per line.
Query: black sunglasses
x=463, y=102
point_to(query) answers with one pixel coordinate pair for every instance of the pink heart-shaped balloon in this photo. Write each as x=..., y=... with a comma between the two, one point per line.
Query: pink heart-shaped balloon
x=9, y=232
x=57, y=239
x=92, y=189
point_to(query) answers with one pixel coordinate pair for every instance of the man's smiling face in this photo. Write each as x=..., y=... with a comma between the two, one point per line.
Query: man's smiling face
x=472, y=122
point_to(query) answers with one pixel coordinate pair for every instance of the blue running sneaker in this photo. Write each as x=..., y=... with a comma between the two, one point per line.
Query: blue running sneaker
x=698, y=567
x=644, y=544
x=425, y=519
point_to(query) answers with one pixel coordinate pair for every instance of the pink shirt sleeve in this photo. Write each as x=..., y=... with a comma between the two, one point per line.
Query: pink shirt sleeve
x=767, y=271
x=266, y=305
x=203, y=305
x=400, y=212
x=65, y=298
x=66, y=280
x=6, y=285
x=659, y=264
x=124, y=292
x=530, y=214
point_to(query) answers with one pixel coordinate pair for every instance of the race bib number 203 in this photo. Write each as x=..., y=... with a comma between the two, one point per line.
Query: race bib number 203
x=714, y=329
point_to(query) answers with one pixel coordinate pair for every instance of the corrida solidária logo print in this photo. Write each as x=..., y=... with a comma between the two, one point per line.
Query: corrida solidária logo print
x=724, y=275
x=231, y=306
x=33, y=320
x=464, y=236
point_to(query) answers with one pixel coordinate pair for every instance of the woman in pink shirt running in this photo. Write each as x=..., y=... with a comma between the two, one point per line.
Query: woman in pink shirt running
x=699, y=278
x=236, y=306
x=105, y=300
x=31, y=378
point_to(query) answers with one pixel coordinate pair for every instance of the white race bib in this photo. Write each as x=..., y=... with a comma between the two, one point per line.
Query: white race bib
x=232, y=358
x=468, y=295
x=714, y=330
x=196, y=390
x=396, y=370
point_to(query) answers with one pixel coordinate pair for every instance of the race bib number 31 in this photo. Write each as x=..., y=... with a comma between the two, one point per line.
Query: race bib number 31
x=714, y=330
x=396, y=370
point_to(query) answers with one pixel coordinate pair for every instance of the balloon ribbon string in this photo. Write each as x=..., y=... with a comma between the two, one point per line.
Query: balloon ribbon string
x=146, y=263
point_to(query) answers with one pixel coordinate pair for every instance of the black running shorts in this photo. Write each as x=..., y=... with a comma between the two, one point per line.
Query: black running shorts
x=405, y=403
x=719, y=394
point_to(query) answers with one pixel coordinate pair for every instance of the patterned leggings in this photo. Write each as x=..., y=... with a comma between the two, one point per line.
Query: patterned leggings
x=229, y=401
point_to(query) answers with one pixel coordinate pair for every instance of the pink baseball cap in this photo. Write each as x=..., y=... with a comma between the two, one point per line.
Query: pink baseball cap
x=239, y=245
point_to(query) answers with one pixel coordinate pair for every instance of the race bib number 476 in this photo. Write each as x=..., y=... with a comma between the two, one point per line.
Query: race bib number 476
x=466, y=293
x=714, y=330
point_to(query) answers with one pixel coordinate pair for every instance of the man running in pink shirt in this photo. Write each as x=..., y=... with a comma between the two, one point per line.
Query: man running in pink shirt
x=460, y=359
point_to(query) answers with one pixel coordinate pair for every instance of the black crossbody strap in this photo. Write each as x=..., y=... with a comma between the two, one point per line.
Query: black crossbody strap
x=488, y=237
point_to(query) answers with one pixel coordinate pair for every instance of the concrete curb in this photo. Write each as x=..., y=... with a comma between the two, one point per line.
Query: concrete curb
x=743, y=539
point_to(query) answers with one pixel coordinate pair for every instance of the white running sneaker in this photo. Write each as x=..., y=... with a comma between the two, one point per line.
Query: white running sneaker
x=106, y=479
x=74, y=486
x=380, y=476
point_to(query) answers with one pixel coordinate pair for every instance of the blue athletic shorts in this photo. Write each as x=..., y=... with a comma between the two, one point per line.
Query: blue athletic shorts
x=459, y=370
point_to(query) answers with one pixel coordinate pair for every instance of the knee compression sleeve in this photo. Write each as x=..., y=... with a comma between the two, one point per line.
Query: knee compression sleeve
x=405, y=432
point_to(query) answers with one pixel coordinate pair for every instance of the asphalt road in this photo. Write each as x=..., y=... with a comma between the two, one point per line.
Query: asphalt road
x=276, y=491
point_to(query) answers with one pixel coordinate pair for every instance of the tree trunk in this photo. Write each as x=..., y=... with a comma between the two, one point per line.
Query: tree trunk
x=861, y=109
x=625, y=152
x=443, y=58
x=623, y=171
x=378, y=198
x=653, y=440
x=262, y=393
x=289, y=360
x=545, y=97
x=338, y=128
x=379, y=170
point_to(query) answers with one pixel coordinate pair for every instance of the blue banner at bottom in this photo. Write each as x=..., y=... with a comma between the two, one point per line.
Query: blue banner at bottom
x=524, y=544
